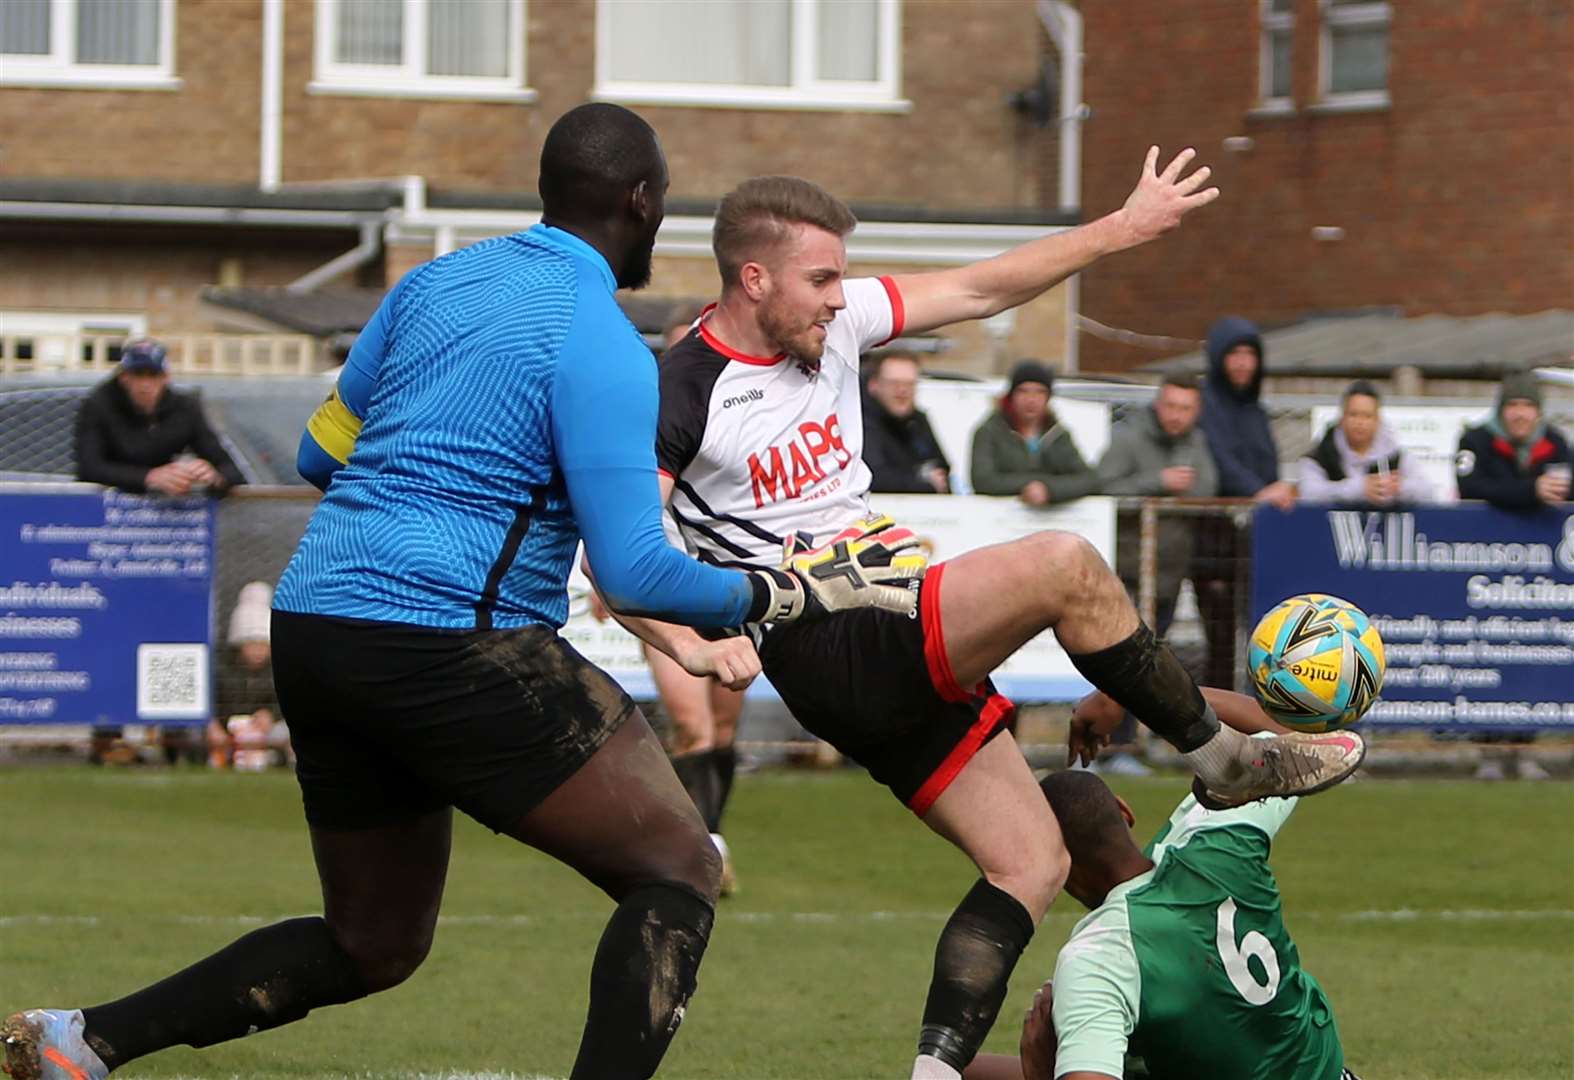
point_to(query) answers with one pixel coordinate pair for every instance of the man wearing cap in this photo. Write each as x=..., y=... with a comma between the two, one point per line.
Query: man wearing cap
x=132, y=429
x=1515, y=460
x=1021, y=449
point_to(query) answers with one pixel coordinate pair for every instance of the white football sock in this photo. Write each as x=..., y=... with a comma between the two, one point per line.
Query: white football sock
x=1218, y=761
x=932, y=1068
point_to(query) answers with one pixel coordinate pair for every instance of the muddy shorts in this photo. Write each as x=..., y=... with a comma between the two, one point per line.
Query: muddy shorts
x=391, y=722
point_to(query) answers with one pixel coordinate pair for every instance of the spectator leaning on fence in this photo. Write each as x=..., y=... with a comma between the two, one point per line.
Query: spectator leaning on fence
x=1160, y=451
x=133, y=431
x=1156, y=452
x=900, y=447
x=1022, y=450
x=1515, y=460
x=1359, y=460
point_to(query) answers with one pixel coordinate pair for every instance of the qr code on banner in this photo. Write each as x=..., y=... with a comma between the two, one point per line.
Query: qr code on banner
x=172, y=682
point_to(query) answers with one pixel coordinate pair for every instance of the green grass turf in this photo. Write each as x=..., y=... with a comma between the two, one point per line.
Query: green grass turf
x=110, y=879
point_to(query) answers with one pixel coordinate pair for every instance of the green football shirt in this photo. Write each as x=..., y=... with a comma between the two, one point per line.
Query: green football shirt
x=1188, y=967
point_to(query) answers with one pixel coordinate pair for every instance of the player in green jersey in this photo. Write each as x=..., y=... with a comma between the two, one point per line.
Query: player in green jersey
x=1184, y=968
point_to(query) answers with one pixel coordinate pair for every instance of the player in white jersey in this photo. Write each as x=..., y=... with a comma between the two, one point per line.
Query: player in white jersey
x=759, y=442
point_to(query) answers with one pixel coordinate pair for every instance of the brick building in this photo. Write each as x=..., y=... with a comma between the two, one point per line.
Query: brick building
x=150, y=150
x=1414, y=155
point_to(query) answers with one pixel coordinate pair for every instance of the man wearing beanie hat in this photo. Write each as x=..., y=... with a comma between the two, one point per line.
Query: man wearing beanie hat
x=133, y=427
x=1022, y=450
x=1515, y=460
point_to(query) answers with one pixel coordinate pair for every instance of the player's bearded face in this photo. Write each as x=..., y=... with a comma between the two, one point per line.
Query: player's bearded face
x=805, y=294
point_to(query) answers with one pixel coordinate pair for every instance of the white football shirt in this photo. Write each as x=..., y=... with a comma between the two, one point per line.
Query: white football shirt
x=760, y=449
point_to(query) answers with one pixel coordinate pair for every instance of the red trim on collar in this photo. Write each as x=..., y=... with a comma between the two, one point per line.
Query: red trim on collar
x=1542, y=449
x=727, y=350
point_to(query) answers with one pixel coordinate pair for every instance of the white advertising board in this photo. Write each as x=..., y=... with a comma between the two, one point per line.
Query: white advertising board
x=952, y=525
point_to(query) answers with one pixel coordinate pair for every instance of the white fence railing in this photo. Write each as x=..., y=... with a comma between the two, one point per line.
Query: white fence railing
x=189, y=354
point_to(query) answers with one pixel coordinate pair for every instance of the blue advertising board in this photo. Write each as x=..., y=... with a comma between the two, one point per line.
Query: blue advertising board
x=1475, y=605
x=106, y=606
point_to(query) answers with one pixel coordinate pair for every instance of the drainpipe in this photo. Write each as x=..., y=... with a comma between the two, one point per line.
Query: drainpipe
x=1063, y=23
x=271, y=150
x=368, y=249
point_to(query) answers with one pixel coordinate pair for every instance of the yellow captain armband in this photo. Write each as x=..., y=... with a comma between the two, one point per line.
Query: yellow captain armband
x=334, y=427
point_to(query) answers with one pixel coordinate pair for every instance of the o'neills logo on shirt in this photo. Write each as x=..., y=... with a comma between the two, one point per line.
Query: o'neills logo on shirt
x=785, y=472
x=743, y=399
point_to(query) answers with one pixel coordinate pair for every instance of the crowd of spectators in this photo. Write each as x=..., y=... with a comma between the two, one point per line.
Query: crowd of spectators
x=1197, y=439
x=1203, y=439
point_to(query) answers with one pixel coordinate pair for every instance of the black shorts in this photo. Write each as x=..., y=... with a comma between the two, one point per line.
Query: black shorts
x=878, y=687
x=391, y=721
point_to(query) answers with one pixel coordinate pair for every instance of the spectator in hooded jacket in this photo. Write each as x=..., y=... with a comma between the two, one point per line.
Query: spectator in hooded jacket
x=1359, y=460
x=1515, y=460
x=1022, y=450
x=1238, y=434
x=1234, y=420
x=133, y=431
x=900, y=447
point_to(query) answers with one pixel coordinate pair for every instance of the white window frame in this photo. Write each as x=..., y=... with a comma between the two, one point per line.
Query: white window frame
x=1274, y=23
x=409, y=79
x=57, y=335
x=59, y=67
x=805, y=91
x=1349, y=15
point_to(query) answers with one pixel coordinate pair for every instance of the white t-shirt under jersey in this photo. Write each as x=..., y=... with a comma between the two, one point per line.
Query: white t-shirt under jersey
x=761, y=449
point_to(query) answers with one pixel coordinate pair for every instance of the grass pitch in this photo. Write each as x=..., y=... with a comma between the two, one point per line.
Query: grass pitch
x=1438, y=915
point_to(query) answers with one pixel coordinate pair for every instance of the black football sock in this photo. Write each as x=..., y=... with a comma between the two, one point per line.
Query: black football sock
x=977, y=951
x=697, y=773
x=1143, y=674
x=725, y=759
x=269, y=978
x=645, y=970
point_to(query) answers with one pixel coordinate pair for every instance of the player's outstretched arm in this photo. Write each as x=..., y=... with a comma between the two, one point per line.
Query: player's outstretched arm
x=1098, y=715
x=1155, y=206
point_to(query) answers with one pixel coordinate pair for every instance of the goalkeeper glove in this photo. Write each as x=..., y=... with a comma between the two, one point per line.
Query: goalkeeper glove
x=874, y=563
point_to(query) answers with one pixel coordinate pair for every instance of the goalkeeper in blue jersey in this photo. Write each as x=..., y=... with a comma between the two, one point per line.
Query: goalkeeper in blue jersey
x=1184, y=968
x=498, y=409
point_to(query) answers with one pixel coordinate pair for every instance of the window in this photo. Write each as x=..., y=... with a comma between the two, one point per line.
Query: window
x=99, y=44
x=1354, y=54
x=422, y=48
x=1278, y=36
x=840, y=54
x=52, y=339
